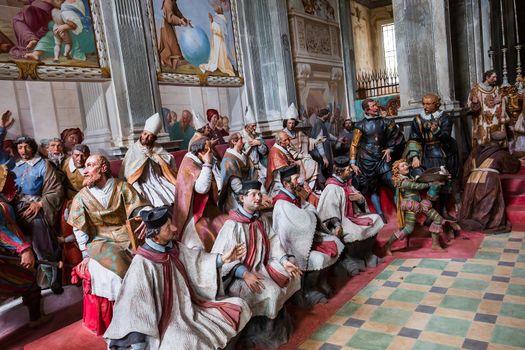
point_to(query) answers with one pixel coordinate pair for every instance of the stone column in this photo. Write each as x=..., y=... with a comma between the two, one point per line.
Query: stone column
x=132, y=64
x=345, y=20
x=95, y=112
x=268, y=70
x=424, y=53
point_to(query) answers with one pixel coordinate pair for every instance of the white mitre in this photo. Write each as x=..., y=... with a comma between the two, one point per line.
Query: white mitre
x=249, y=117
x=153, y=124
x=198, y=120
x=291, y=112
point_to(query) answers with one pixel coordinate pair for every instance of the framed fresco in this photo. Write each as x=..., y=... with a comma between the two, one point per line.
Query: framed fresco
x=53, y=40
x=196, y=41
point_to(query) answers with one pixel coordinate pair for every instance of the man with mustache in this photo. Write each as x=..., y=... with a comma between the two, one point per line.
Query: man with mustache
x=99, y=215
x=149, y=168
x=55, y=152
x=38, y=204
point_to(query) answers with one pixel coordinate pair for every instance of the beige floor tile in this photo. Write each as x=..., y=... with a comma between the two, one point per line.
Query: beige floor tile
x=501, y=347
x=466, y=293
x=480, y=331
x=364, y=312
x=399, y=305
x=432, y=299
x=418, y=321
x=342, y=335
x=381, y=327
x=514, y=299
x=464, y=315
x=511, y=322
x=474, y=276
x=402, y=343
x=489, y=307
x=505, y=271
x=497, y=287
x=338, y=320
x=444, y=282
x=438, y=338
x=310, y=345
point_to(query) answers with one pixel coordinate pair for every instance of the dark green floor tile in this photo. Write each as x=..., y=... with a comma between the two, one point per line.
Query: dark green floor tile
x=369, y=290
x=367, y=340
x=508, y=336
x=391, y=316
x=409, y=296
x=421, y=278
x=426, y=345
x=513, y=310
x=478, y=269
x=518, y=273
x=397, y=262
x=448, y=325
x=470, y=284
x=488, y=255
x=493, y=244
x=460, y=303
x=516, y=289
x=348, y=309
x=384, y=275
x=324, y=332
x=433, y=264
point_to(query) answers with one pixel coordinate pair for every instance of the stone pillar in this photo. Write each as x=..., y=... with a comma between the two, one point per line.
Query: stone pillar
x=132, y=64
x=345, y=20
x=42, y=109
x=264, y=39
x=424, y=53
x=95, y=113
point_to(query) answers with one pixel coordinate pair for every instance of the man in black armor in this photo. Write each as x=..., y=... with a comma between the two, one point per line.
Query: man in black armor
x=431, y=145
x=376, y=139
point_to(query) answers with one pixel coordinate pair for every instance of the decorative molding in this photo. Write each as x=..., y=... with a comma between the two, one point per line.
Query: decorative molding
x=303, y=70
x=27, y=69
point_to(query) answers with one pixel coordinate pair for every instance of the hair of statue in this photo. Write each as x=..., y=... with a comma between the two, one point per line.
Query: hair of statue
x=102, y=160
x=79, y=147
x=285, y=122
x=396, y=175
x=26, y=139
x=323, y=112
x=365, y=103
x=233, y=139
x=198, y=146
x=55, y=139
x=434, y=97
x=488, y=73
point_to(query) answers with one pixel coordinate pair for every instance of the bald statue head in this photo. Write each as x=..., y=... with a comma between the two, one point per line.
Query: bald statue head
x=97, y=171
x=431, y=103
x=282, y=139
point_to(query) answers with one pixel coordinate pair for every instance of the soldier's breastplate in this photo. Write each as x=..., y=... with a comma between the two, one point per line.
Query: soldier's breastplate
x=372, y=136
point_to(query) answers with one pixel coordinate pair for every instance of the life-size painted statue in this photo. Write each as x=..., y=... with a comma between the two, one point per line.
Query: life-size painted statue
x=410, y=204
x=304, y=236
x=172, y=296
x=265, y=277
x=482, y=204
x=375, y=141
x=489, y=109
x=431, y=145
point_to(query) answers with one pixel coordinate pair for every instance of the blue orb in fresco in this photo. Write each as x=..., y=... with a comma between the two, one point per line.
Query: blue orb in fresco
x=194, y=44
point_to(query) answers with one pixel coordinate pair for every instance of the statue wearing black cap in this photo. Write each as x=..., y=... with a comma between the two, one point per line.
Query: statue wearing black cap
x=179, y=287
x=303, y=236
x=343, y=209
x=266, y=277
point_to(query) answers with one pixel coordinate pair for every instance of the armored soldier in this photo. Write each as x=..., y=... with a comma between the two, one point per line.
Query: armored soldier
x=431, y=145
x=375, y=140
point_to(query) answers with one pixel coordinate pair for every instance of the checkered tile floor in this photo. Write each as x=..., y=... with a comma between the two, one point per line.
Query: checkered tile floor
x=476, y=303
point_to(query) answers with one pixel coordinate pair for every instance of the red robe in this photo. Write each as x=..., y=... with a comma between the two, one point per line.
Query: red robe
x=276, y=160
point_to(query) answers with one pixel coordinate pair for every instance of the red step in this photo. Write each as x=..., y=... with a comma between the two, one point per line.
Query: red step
x=516, y=214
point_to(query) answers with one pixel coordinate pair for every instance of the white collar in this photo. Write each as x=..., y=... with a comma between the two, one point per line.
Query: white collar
x=241, y=156
x=32, y=162
x=194, y=158
x=436, y=115
x=284, y=150
x=108, y=187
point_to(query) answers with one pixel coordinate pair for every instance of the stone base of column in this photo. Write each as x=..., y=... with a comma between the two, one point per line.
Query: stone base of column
x=99, y=141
